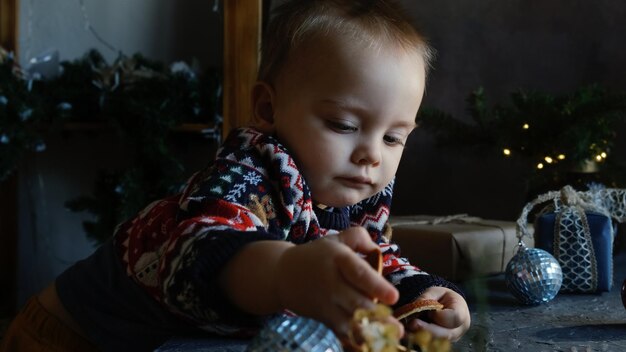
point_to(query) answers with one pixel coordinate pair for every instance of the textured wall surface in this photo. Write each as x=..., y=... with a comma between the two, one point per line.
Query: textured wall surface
x=159, y=29
x=551, y=46
x=554, y=46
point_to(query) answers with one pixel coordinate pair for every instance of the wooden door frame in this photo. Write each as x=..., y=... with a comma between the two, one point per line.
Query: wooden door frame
x=8, y=24
x=8, y=187
x=242, y=40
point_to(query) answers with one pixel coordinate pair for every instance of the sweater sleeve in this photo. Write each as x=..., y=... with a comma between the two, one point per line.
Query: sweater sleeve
x=230, y=206
x=410, y=280
x=176, y=248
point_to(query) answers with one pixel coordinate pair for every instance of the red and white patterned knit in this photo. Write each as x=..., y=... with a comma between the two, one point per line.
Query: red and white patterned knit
x=253, y=191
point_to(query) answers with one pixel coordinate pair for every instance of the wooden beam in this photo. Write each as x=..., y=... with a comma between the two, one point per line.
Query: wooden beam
x=242, y=40
x=8, y=24
x=8, y=187
x=8, y=245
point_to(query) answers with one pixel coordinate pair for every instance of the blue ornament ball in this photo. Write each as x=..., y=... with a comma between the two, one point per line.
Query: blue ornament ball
x=533, y=276
x=295, y=334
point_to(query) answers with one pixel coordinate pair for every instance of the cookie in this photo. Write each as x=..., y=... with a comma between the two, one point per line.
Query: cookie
x=416, y=307
x=375, y=259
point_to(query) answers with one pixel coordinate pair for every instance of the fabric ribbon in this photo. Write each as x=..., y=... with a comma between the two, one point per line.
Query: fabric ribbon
x=572, y=238
x=463, y=218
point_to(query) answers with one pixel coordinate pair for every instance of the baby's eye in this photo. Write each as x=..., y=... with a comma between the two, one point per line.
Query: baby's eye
x=391, y=140
x=341, y=126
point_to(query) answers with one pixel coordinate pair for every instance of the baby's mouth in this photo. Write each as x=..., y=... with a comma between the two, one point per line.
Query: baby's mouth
x=356, y=180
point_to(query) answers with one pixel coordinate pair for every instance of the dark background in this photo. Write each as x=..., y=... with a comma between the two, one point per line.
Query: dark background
x=550, y=46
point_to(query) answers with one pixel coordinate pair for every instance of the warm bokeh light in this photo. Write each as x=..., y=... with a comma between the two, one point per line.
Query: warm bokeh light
x=561, y=157
x=525, y=126
x=548, y=159
x=540, y=166
x=506, y=151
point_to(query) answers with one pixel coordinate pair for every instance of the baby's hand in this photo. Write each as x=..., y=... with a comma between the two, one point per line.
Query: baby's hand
x=451, y=322
x=327, y=280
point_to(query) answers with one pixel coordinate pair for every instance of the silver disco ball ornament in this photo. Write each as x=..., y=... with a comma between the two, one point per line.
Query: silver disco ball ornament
x=295, y=334
x=533, y=276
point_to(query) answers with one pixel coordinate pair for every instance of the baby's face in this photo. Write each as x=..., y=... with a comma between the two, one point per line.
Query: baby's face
x=345, y=111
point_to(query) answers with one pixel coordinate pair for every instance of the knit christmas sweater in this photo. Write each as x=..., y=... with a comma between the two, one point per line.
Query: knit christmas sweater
x=175, y=248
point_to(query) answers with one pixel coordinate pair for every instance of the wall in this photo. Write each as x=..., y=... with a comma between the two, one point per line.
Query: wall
x=160, y=29
x=51, y=237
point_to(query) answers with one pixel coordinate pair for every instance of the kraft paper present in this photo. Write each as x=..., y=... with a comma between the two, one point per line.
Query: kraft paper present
x=456, y=247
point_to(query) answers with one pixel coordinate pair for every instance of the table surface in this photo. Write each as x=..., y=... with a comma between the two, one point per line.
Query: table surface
x=569, y=323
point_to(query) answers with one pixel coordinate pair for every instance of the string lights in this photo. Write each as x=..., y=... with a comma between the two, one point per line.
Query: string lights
x=550, y=136
x=548, y=160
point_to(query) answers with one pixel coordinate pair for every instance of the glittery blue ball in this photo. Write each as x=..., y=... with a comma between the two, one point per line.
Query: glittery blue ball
x=533, y=276
x=295, y=334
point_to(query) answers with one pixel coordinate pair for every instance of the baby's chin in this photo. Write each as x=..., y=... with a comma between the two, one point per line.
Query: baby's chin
x=340, y=200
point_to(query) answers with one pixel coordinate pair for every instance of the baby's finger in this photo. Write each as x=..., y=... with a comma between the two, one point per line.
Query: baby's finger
x=359, y=275
x=435, y=330
x=349, y=300
x=446, y=318
x=434, y=293
x=338, y=321
x=358, y=239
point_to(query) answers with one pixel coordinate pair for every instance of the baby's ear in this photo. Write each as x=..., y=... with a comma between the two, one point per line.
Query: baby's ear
x=263, y=106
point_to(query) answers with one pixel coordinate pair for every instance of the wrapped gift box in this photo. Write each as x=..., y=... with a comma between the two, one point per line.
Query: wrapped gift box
x=456, y=247
x=574, y=262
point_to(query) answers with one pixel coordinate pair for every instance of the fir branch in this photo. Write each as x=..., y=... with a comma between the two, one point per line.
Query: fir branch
x=572, y=129
x=142, y=99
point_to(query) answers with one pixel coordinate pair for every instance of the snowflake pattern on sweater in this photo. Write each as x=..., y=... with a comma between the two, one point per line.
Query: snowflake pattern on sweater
x=175, y=247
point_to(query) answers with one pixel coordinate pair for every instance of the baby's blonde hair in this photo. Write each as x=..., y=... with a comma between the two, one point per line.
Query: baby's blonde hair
x=378, y=23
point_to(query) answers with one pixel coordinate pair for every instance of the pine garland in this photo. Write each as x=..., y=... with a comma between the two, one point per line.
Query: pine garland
x=551, y=135
x=142, y=100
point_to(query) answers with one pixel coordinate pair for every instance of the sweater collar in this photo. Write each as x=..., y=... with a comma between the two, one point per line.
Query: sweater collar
x=333, y=218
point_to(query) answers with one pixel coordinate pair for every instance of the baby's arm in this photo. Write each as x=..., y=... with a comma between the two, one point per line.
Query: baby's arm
x=411, y=282
x=450, y=322
x=324, y=279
